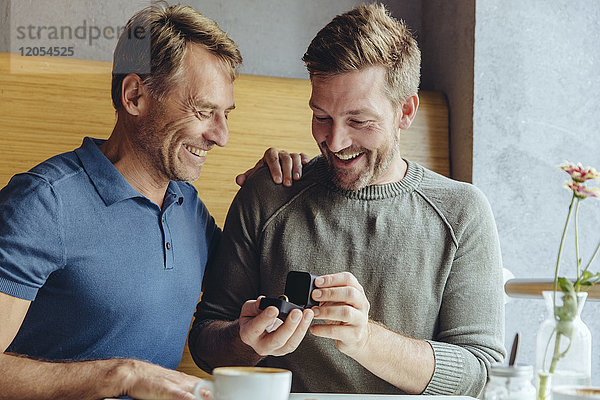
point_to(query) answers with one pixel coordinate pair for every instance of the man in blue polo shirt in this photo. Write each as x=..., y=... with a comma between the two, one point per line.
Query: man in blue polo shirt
x=103, y=249
x=97, y=259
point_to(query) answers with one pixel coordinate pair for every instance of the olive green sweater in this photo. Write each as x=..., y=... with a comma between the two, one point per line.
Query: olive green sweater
x=425, y=249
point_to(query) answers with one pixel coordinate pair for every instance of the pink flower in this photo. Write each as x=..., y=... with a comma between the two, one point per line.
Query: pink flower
x=582, y=191
x=578, y=173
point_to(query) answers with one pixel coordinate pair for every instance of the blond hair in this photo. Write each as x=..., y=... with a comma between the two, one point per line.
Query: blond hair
x=153, y=45
x=368, y=36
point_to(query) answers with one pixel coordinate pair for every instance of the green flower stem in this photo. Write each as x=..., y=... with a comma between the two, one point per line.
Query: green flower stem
x=560, y=248
x=577, y=260
x=544, y=377
x=542, y=387
x=566, y=313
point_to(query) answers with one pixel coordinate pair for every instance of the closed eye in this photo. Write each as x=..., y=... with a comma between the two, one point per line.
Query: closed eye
x=357, y=123
x=318, y=118
x=203, y=114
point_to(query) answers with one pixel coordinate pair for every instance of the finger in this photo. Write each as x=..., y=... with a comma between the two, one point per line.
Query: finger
x=162, y=383
x=305, y=158
x=336, y=332
x=296, y=165
x=165, y=393
x=279, y=338
x=205, y=394
x=346, y=294
x=240, y=179
x=340, y=279
x=190, y=382
x=338, y=313
x=324, y=331
x=252, y=330
x=251, y=308
x=271, y=157
x=286, y=161
x=298, y=335
x=169, y=394
x=180, y=395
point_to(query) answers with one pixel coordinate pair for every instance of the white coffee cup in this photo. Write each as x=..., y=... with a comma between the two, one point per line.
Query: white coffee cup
x=247, y=383
x=575, y=393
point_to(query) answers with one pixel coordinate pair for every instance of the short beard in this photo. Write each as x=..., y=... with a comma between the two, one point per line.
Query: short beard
x=148, y=138
x=336, y=177
x=376, y=169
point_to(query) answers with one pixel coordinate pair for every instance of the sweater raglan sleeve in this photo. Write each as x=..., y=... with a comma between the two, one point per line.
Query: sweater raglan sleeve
x=232, y=273
x=471, y=317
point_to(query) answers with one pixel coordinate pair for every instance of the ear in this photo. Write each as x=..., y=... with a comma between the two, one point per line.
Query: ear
x=408, y=111
x=134, y=95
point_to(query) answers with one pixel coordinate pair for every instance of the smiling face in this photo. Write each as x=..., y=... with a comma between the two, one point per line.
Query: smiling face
x=357, y=128
x=176, y=132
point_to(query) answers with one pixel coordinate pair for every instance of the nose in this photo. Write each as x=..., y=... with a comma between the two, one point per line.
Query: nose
x=219, y=131
x=338, y=138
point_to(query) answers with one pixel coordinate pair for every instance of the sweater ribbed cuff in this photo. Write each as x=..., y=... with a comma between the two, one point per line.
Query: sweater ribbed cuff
x=449, y=366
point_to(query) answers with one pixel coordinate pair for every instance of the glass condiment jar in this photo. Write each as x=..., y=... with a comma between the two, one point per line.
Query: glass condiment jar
x=510, y=383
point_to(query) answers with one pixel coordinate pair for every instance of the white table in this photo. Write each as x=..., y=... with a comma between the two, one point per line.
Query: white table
x=338, y=396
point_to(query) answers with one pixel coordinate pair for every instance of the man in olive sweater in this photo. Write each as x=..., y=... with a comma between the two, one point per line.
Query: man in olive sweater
x=410, y=286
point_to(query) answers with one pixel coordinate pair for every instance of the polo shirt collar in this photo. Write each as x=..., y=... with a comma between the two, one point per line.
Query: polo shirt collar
x=108, y=181
x=173, y=195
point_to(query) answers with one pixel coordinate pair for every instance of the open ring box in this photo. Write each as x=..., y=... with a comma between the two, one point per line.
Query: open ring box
x=297, y=295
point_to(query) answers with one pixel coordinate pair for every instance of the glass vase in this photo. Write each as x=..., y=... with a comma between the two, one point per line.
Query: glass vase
x=564, y=344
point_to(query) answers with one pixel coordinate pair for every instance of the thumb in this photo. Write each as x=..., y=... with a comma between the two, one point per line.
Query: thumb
x=241, y=178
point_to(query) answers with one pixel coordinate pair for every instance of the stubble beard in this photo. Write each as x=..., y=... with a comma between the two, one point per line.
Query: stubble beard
x=375, y=167
x=158, y=153
x=350, y=180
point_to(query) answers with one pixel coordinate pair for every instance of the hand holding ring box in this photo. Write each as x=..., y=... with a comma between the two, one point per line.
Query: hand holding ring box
x=247, y=383
x=297, y=295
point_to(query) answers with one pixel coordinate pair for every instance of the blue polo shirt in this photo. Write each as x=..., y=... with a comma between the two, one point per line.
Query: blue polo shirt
x=108, y=272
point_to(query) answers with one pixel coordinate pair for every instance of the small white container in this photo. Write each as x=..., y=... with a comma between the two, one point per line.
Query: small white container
x=510, y=383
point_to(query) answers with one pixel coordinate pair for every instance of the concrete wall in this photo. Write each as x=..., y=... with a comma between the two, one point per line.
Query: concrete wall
x=272, y=34
x=536, y=104
x=4, y=25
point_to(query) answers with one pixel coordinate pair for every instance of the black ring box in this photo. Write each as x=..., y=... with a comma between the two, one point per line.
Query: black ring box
x=298, y=289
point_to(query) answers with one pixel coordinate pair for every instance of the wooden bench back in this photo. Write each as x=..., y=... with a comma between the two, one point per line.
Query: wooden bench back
x=47, y=106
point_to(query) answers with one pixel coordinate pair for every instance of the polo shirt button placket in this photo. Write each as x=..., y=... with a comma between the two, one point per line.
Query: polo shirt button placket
x=167, y=243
